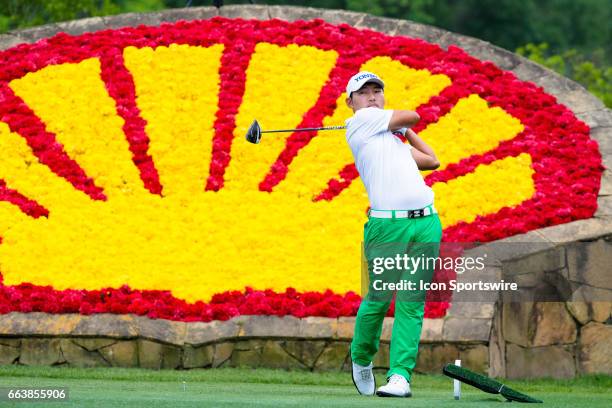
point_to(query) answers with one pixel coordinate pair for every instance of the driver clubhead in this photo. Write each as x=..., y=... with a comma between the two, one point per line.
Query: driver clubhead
x=253, y=135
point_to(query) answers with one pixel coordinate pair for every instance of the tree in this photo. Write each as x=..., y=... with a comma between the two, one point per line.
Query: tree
x=595, y=76
x=19, y=14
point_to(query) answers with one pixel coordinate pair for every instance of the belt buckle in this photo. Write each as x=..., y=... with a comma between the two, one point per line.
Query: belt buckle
x=416, y=213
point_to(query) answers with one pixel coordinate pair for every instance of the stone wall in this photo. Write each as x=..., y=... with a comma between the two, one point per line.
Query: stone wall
x=312, y=343
x=566, y=329
x=514, y=339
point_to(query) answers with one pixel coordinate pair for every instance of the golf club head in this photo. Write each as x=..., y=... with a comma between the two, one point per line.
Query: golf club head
x=253, y=135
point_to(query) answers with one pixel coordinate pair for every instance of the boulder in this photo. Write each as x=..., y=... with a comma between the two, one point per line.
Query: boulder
x=77, y=356
x=123, y=353
x=538, y=324
x=540, y=362
x=40, y=352
x=595, y=349
x=198, y=357
x=333, y=357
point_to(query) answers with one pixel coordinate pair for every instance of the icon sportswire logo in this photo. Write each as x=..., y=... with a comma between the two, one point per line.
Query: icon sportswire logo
x=123, y=162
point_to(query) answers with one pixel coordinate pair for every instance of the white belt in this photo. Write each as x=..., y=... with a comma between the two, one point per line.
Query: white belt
x=422, y=212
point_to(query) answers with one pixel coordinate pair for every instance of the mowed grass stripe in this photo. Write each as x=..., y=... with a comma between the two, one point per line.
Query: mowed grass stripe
x=274, y=388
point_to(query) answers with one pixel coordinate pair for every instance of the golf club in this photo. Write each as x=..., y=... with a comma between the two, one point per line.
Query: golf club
x=253, y=135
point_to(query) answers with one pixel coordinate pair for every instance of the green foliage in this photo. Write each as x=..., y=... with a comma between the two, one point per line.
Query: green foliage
x=17, y=14
x=20, y=14
x=592, y=73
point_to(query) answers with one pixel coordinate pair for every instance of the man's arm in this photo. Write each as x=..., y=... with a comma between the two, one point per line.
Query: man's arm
x=423, y=155
x=403, y=119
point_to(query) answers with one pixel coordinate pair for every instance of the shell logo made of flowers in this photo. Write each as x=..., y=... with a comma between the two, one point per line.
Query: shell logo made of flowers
x=126, y=185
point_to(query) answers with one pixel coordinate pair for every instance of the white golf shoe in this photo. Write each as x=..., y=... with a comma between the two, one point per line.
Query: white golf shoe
x=396, y=387
x=363, y=378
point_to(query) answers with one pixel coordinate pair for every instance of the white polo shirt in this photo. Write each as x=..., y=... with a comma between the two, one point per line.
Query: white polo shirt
x=385, y=164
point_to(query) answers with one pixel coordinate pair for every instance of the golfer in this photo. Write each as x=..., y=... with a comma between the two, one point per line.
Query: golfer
x=402, y=221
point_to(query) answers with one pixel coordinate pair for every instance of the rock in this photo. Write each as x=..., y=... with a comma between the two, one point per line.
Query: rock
x=251, y=12
x=274, y=356
x=595, y=349
x=601, y=134
x=40, y=352
x=37, y=323
x=7, y=41
x=34, y=34
x=497, y=349
x=577, y=99
x=198, y=333
x=422, y=31
x=432, y=330
x=77, y=356
x=149, y=354
x=589, y=263
x=604, y=206
x=553, y=325
x=380, y=24
x=293, y=13
x=476, y=358
x=271, y=326
x=10, y=342
x=165, y=331
x=93, y=344
x=587, y=229
x=333, y=356
x=106, y=324
x=9, y=354
x=345, y=328
x=515, y=322
x=340, y=16
x=198, y=357
x=546, y=260
x=222, y=353
x=596, y=118
x=529, y=71
x=85, y=25
x=171, y=357
x=306, y=352
x=602, y=311
x=483, y=310
x=315, y=327
x=432, y=357
x=605, y=186
x=466, y=329
x=121, y=354
x=580, y=311
x=132, y=20
x=540, y=362
x=538, y=324
x=590, y=304
x=247, y=354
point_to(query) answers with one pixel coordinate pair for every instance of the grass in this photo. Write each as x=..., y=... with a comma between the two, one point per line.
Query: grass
x=230, y=387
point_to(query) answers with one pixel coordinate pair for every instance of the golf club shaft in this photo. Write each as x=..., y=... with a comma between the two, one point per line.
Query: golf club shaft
x=304, y=129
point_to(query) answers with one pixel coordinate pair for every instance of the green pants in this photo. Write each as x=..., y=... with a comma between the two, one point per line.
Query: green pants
x=391, y=237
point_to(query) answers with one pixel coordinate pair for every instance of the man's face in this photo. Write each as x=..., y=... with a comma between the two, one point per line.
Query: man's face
x=369, y=95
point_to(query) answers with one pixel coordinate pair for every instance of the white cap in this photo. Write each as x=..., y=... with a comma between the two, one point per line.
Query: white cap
x=357, y=81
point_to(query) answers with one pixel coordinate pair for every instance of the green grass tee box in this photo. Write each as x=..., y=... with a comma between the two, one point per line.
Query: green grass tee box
x=231, y=387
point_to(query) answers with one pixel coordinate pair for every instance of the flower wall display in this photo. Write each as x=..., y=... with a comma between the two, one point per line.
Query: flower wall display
x=126, y=185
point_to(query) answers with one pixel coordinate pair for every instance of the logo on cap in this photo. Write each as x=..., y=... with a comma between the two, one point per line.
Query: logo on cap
x=360, y=79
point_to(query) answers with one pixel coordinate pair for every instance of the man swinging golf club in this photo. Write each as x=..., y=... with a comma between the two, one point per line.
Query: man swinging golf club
x=402, y=221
